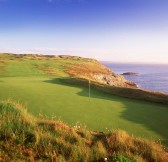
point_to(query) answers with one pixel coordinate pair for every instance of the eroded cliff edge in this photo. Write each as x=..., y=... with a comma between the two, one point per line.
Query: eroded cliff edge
x=74, y=66
x=92, y=69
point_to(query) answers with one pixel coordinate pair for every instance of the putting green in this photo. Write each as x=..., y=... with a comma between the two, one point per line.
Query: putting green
x=49, y=96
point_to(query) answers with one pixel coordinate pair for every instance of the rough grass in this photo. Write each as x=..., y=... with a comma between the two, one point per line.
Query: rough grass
x=27, y=138
x=40, y=65
x=133, y=93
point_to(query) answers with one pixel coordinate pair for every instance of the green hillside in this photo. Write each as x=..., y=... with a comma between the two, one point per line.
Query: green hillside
x=36, y=81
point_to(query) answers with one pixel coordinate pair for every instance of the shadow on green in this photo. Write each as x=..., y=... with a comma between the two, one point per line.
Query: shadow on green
x=153, y=116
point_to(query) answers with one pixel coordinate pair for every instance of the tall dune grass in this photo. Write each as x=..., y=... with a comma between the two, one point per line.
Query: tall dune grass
x=27, y=138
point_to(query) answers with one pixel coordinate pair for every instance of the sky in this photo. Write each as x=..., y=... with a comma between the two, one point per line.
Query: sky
x=108, y=30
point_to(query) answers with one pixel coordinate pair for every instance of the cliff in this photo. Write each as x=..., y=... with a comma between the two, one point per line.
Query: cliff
x=64, y=65
x=93, y=70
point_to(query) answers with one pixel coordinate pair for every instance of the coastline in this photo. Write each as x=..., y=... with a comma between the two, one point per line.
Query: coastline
x=152, y=77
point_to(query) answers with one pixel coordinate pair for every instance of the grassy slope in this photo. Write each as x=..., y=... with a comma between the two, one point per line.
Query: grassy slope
x=27, y=81
x=24, y=137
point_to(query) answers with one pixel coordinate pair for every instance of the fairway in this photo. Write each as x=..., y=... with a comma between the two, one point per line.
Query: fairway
x=49, y=96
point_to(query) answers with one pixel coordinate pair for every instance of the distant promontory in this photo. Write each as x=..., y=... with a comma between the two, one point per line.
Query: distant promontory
x=129, y=73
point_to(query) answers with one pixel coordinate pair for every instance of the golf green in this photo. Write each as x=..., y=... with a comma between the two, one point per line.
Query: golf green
x=49, y=96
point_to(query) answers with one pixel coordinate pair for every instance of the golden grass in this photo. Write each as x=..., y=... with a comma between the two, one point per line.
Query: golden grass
x=86, y=69
x=121, y=142
x=27, y=138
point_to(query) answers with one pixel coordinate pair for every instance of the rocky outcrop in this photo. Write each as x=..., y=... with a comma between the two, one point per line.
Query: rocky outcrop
x=130, y=73
x=93, y=70
x=114, y=80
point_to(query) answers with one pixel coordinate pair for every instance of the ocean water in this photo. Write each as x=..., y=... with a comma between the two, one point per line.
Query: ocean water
x=150, y=76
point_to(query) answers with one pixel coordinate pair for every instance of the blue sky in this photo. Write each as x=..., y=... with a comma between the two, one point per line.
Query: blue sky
x=112, y=30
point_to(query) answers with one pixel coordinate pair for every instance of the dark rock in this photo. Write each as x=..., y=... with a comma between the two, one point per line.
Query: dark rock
x=130, y=73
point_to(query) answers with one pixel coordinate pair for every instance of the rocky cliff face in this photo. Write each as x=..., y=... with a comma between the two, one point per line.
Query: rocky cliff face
x=113, y=80
x=93, y=70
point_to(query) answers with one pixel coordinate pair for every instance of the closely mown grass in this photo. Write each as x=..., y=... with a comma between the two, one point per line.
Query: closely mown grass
x=70, y=103
x=27, y=138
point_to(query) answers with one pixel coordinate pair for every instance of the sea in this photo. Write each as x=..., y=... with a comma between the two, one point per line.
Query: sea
x=150, y=76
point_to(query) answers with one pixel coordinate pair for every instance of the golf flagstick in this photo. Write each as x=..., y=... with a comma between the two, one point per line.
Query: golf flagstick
x=89, y=89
